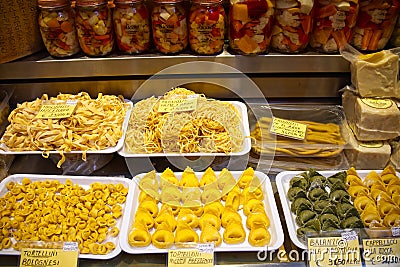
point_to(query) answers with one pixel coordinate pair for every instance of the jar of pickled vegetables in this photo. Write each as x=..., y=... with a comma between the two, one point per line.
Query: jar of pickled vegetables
x=333, y=24
x=292, y=25
x=375, y=24
x=250, y=25
x=94, y=27
x=57, y=27
x=207, y=27
x=169, y=25
x=131, y=26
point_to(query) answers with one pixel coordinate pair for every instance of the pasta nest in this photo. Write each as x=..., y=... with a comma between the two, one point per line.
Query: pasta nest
x=214, y=126
x=96, y=124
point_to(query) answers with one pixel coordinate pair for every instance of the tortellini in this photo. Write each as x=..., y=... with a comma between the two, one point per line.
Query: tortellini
x=49, y=210
x=172, y=211
x=376, y=197
x=322, y=203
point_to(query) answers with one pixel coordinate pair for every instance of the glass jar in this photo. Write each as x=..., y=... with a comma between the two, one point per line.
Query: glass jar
x=207, y=27
x=292, y=25
x=169, y=25
x=333, y=24
x=250, y=25
x=94, y=27
x=131, y=26
x=57, y=27
x=375, y=24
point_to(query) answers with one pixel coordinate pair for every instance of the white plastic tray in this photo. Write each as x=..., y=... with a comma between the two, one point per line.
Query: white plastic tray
x=241, y=107
x=5, y=150
x=85, y=182
x=283, y=185
x=275, y=227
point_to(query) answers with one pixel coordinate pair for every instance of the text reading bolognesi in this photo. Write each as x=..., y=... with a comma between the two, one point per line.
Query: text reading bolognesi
x=382, y=252
x=333, y=251
x=190, y=257
x=48, y=257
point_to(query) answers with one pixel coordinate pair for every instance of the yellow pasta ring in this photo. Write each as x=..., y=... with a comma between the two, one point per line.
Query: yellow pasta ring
x=208, y=218
x=210, y=235
x=246, y=177
x=392, y=220
x=256, y=219
x=151, y=206
x=185, y=234
x=139, y=237
x=162, y=239
x=358, y=190
x=259, y=236
x=234, y=233
x=230, y=215
x=233, y=200
x=215, y=208
x=252, y=205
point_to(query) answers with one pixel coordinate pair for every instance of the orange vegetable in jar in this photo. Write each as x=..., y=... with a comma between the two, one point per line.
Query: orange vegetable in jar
x=56, y=20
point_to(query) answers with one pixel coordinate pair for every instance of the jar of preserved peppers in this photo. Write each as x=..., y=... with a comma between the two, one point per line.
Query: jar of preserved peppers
x=94, y=27
x=57, y=27
x=169, y=25
x=375, y=24
x=333, y=24
x=207, y=27
x=131, y=26
x=292, y=25
x=250, y=25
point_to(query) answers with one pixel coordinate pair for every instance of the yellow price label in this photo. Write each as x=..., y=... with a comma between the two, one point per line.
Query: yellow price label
x=381, y=252
x=57, y=111
x=378, y=103
x=190, y=257
x=45, y=257
x=288, y=128
x=333, y=251
x=177, y=105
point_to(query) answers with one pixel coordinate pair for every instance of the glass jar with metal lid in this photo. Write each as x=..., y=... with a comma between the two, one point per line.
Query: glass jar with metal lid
x=250, y=26
x=169, y=25
x=94, y=27
x=131, y=26
x=207, y=26
x=57, y=27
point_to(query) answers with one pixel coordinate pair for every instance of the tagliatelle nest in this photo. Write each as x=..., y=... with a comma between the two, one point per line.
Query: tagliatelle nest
x=96, y=124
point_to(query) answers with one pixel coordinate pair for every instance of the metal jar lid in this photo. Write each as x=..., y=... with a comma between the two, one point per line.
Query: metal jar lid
x=53, y=3
x=84, y=3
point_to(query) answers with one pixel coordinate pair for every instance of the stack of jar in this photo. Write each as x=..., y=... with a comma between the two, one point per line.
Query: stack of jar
x=253, y=26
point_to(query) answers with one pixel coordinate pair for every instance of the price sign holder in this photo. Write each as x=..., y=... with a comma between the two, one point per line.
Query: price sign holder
x=288, y=128
x=46, y=254
x=336, y=248
x=381, y=252
x=199, y=255
x=59, y=110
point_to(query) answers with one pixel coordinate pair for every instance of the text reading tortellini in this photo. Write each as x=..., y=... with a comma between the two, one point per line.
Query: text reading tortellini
x=48, y=210
x=212, y=208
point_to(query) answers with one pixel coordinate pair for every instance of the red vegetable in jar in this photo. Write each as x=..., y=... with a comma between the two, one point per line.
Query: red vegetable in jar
x=207, y=27
x=250, y=24
x=375, y=24
x=94, y=27
x=169, y=26
x=333, y=24
x=292, y=25
x=57, y=27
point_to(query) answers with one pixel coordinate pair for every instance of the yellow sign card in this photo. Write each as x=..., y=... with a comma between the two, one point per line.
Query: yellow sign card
x=333, y=251
x=45, y=257
x=378, y=103
x=190, y=257
x=57, y=111
x=382, y=252
x=177, y=105
x=288, y=128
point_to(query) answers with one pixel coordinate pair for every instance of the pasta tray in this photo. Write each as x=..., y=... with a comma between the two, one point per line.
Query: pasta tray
x=241, y=107
x=5, y=150
x=275, y=227
x=84, y=182
x=283, y=185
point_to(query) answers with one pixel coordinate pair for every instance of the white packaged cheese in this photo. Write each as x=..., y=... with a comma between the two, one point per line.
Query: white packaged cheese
x=371, y=119
x=376, y=75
